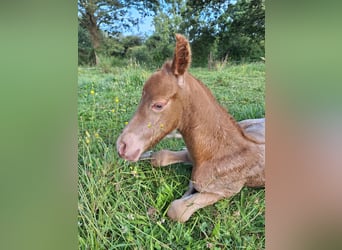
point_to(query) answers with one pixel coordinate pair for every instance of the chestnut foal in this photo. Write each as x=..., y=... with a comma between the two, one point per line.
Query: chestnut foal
x=225, y=155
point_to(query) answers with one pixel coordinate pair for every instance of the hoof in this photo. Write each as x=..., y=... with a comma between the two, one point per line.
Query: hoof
x=178, y=211
x=158, y=159
x=156, y=162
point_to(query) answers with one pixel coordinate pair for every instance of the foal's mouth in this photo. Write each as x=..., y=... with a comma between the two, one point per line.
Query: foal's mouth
x=129, y=155
x=132, y=157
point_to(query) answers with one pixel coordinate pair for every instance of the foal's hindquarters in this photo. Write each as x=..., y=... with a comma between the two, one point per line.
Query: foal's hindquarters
x=212, y=180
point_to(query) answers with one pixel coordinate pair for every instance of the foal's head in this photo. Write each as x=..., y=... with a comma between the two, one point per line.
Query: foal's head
x=160, y=107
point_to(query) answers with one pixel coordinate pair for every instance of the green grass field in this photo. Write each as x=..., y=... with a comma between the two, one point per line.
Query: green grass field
x=123, y=205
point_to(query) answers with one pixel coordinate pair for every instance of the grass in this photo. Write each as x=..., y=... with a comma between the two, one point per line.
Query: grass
x=123, y=205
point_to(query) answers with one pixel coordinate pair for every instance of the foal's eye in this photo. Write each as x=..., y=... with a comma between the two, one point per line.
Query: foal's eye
x=158, y=106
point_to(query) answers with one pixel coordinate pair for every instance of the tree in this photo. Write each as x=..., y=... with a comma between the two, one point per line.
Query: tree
x=248, y=18
x=243, y=30
x=195, y=19
x=85, y=50
x=225, y=28
x=111, y=16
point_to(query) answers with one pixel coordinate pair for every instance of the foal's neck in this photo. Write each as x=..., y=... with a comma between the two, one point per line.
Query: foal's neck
x=206, y=126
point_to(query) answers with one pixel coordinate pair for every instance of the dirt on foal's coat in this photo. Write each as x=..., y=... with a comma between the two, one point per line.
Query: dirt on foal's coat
x=226, y=155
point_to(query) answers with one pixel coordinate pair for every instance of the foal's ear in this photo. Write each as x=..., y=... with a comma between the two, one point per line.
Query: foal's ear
x=182, y=56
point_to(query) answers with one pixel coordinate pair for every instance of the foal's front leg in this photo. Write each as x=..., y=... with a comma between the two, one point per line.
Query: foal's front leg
x=167, y=157
x=181, y=209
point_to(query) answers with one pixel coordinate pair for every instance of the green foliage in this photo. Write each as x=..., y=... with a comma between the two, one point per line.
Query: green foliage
x=153, y=53
x=201, y=48
x=243, y=31
x=123, y=205
x=111, y=47
x=167, y=21
x=248, y=18
x=224, y=30
x=160, y=48
x=106, y=63
x=86, y=54
x=113, y=52
x=118, y=46
x=141, y=54
x=217, y=30
x=131, y=41
x=111, y=17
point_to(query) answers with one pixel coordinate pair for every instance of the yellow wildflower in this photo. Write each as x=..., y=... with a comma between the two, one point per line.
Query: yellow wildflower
x=113, y=110
x=96, y=135
x=92, y=92
x=116, y=99
x=87, y=140
x=126, y=123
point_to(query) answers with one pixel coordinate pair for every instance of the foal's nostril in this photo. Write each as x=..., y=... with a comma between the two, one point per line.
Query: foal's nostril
x=122, y=149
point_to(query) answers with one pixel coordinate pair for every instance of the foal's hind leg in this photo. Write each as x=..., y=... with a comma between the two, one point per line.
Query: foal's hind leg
x=167, y=157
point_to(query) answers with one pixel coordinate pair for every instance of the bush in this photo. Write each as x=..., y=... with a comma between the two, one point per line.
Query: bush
x=141, y=54
x=107, y=63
